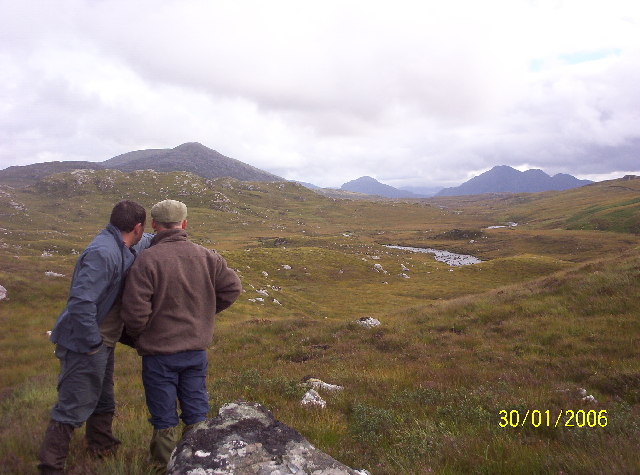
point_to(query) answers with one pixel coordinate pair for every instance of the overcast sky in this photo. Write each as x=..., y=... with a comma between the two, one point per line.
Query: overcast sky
x=409, y=92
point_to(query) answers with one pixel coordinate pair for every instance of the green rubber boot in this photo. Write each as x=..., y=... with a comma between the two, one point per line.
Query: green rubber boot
x=163, y=441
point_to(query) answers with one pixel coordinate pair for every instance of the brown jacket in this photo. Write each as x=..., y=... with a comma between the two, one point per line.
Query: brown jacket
x=172, y=292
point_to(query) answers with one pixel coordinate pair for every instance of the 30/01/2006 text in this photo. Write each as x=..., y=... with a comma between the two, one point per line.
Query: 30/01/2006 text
x=565, y=418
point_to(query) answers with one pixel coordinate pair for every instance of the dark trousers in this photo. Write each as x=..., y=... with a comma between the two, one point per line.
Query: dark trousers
x=85, y=385
x=179, y=376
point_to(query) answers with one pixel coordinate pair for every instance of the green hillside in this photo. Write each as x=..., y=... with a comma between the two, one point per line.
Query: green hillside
x=553, y=308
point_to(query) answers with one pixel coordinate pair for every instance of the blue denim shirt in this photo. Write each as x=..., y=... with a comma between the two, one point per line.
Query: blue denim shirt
x=96, y=284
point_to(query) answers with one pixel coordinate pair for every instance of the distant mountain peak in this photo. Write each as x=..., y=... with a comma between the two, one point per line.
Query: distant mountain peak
x=506, y=179
x=370, y=186
x=193, y=146
x=188, y=157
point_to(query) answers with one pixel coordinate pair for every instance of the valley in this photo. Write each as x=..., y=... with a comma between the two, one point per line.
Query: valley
x=551, y=309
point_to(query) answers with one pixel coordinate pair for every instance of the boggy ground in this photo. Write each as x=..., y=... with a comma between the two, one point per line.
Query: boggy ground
x=550, y=311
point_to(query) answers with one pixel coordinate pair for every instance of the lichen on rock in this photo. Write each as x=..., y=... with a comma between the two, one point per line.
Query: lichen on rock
x=245, y=439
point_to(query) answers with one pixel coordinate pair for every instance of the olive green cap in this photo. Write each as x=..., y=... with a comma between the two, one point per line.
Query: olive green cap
x=169, y=211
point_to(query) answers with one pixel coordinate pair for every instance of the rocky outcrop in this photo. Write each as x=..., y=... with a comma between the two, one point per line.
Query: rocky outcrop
x=245, y=439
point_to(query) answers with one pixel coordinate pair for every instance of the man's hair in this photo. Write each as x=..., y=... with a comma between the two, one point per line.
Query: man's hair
x=126, y=214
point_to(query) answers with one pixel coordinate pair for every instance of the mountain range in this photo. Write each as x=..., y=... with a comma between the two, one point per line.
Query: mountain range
x=205, y=162
x=503, y=178
x=189, y=157
x=500, y=179
x=371, y=186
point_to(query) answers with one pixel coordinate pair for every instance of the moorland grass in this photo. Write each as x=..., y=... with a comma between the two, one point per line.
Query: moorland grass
x=550, y=311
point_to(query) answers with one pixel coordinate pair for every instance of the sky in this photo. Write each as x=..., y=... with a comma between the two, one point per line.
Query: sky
x=413, y=93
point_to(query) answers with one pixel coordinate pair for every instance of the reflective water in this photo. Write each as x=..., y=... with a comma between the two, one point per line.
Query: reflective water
x=447, y=257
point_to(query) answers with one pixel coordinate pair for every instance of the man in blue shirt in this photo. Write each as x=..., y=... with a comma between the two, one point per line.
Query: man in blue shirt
x=85, y=334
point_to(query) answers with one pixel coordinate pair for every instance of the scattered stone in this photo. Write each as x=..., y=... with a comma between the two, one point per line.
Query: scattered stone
x=3, y=293
x=368, y=322
x=286, y=267
x=312, y=398
x=265, y=273
x=375, y=258
x=262, y=292
x=404, y=276
x=379, y=268
x=53, y=274
x=508, y=225
x=245, y=439
x=46, y=253
x=259, y=299
x=319, y=384
x=48, y=332
x=579, y=393
x=404, y=268
x=275, y=301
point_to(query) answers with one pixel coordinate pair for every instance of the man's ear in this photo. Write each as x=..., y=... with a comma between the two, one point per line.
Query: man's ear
x=183, y=225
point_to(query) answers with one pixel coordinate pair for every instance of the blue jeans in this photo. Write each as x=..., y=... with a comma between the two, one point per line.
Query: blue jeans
x=85, y=385
x=179, y=376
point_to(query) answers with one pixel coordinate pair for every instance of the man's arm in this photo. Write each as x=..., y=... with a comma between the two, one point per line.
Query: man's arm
x=136, y=298
x=92, y=279
x=227, y=285
x=144, y=243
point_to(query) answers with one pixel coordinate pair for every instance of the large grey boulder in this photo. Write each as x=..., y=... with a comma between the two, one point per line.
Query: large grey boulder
x=245, y=439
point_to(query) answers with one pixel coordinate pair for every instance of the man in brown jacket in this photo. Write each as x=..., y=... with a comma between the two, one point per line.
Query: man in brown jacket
x=171, y=295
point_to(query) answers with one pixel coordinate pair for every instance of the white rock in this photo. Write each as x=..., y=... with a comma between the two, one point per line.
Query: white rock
x=312, y=398
x=201, y=453
x=286, y=267
x=265, y=273
x=379, y=268
x=404, y=276
x=368, y=322
x=46, y=253
x=259, y=299
x=590, y=399
x=48, y=332
x=404, y=268
x=3, y=293
x=276, y=302
x=53, y=274
x=319, y=384
x=262, y=292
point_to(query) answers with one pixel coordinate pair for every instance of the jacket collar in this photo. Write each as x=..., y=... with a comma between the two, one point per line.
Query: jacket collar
x=169, y=235
x=117, y=235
